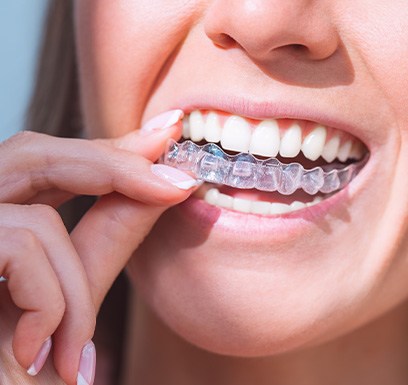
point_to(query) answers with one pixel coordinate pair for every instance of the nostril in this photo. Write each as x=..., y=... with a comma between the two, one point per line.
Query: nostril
x=224, y=40
x=298, y=47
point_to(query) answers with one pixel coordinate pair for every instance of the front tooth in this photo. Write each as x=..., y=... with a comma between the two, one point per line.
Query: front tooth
x=196, y=126
x=265, y=139
x=331, y=149
x=344, y=151
x=236, y=134
x=259, y=207
x=313, y=144
x=291, y=142
x=243, y=205
x=212, y=128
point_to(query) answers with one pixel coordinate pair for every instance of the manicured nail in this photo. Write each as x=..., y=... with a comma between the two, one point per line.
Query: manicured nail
x=86, y=372
x=42, y=355
x=163, y=121
x=176, y=177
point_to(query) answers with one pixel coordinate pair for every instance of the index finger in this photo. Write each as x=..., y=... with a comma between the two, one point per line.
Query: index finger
x=82, y=167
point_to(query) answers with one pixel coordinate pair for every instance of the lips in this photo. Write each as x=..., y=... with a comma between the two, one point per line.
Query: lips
x=230, y=151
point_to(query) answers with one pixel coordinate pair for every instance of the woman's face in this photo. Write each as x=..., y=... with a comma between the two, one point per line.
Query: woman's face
x=250, y=284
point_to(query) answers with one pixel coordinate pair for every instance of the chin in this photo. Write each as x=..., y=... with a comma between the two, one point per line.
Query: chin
x=249, y=268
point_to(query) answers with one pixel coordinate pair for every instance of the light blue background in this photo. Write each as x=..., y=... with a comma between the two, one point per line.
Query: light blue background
x=20, y=32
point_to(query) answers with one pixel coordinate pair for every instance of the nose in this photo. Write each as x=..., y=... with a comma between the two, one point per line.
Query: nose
x=265, y=29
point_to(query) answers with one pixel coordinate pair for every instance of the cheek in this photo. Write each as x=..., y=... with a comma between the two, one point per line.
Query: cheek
x=380, y=38
x=122, y=47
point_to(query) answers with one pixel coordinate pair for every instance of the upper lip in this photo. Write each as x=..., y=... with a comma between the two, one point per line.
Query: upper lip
x=261, y=110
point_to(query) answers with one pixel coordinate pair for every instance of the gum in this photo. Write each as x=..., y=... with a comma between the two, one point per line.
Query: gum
x=211, y=164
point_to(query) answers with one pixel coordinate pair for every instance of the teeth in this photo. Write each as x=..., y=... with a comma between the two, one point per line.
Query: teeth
x=296, y=205
x=243, y=205
x=357, y=151
x=236, y=134
x=280, y=208
x=313, y=144
x=186, y=126
x=331, y=149
x=215, y=198
x=196, y=126
x=259, y=207
x=265, y=139
x=291, y=142
x=344, y=151
x=225, y=201
x=211, y=196
x=212, y=128
x=314, y=202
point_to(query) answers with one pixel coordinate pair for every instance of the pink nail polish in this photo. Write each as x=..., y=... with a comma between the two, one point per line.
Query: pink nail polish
x=163, y=121
x=86, y=372
x=176, y=177
x=42, y=355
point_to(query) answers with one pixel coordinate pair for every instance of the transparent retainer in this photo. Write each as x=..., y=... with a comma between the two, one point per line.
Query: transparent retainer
x=211, y=164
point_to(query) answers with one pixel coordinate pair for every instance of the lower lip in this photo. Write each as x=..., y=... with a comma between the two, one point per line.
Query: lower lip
x=201, y=215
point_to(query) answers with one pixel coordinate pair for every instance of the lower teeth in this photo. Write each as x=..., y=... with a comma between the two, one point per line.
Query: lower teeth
x=211, y=164
x=214, y=197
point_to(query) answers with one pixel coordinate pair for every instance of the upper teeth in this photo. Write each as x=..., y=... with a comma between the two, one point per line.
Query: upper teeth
x=268, y=139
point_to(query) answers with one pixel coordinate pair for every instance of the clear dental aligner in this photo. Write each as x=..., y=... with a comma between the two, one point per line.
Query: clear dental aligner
x=211, y=164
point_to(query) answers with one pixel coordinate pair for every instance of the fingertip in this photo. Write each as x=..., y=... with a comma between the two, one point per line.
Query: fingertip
x=87, y=365
x=176, y=177
x=163, y=121
x=41, y=358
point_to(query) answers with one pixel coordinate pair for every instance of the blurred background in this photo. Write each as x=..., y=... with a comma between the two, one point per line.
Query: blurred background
x=20, y=33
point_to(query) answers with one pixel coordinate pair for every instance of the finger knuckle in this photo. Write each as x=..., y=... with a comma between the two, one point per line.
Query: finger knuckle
x=20, y=139
x=57, y=307
x=23, y=240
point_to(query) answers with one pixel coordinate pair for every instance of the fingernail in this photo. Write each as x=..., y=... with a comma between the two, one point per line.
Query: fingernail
x=176, y=177
x=86, y=372
x=163, y=121
x=42, y=355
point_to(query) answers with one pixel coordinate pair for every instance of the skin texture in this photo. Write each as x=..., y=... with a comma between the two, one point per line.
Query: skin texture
x=58, y=282
x=290, y=53
x=340, y=60
x=213, y=304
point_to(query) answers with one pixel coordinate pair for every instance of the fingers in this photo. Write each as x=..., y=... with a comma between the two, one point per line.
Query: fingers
x=51, y=170
x=64, y=305
x=79, y=166
x=24, y=261
x=116, y=225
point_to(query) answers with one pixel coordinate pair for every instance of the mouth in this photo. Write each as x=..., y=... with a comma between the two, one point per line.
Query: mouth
x=265, y=167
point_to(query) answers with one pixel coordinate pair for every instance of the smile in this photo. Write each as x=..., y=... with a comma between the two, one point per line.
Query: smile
x=269, y=167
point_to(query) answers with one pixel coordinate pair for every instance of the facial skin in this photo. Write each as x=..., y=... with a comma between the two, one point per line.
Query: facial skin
x=275, y=287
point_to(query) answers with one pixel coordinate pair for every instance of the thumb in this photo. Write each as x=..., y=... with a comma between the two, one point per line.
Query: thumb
x=109, y=233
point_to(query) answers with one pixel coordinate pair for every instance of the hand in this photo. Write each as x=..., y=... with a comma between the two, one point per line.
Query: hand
x=58, y=280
